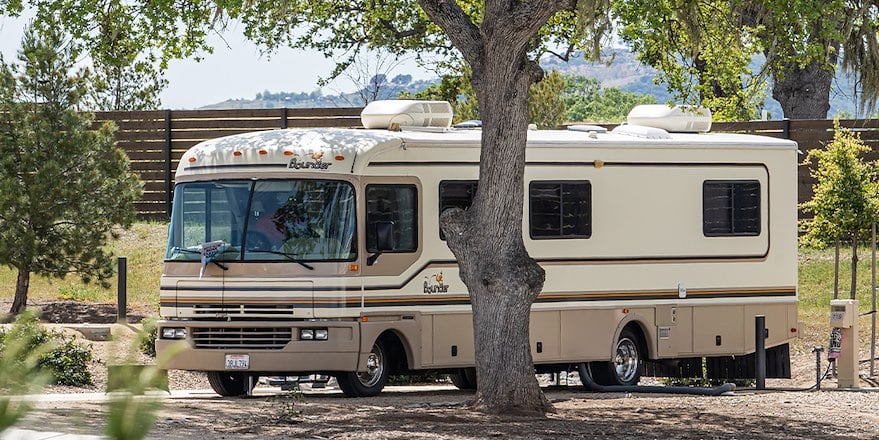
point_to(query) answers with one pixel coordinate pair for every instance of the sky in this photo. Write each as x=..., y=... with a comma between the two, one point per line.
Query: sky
x=236, y=69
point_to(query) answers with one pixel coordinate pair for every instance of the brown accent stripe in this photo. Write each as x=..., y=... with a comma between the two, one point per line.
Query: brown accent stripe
x=416, y=300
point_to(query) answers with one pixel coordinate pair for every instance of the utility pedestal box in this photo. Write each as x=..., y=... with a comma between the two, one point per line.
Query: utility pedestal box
x=844, y=316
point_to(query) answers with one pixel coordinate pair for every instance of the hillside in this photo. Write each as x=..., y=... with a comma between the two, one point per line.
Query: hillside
x=621, y=70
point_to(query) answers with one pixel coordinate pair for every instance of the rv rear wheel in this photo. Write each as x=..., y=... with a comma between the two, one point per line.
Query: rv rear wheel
x=231, y=384
x=625, y=369
x=464, y=378
x=370, y=382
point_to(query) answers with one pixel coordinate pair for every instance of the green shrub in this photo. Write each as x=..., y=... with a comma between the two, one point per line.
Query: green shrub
x=67, y=360
x=19, y=373
x=148, y=336
x=79, y=293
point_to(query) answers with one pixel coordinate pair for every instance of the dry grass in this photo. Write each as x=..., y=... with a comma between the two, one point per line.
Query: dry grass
x=143, y=245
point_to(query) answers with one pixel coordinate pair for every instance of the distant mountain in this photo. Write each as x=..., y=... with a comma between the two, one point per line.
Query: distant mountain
x=623, y=71
x=385, y=89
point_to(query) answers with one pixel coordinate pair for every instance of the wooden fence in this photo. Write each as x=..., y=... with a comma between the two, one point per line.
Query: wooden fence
x=809, y=134
x=156, y=140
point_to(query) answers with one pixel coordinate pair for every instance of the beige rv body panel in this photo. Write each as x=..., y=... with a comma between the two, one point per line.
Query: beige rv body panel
x=647, y=262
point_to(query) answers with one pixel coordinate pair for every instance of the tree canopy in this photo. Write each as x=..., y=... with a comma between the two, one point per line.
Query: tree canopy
x=64, y=186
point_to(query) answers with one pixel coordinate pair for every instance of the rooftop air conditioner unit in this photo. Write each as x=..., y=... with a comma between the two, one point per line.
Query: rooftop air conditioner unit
x=403, y=113
x=680, y=119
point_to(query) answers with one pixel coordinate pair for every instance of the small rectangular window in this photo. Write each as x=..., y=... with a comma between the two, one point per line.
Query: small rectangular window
x=456, y=194
x=560, y=209
x=730, y=208
x=397, y=204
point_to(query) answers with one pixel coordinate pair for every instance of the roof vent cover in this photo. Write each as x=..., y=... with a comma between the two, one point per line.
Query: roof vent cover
x=403, y=113
x=677, y=119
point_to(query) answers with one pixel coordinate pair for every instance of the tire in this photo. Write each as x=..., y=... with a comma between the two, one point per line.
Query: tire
x=230, y=384
x=464, y=378
x=371, y=382
x=625, y=369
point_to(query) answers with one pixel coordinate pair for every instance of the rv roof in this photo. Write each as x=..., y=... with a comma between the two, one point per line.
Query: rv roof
x=334, y=149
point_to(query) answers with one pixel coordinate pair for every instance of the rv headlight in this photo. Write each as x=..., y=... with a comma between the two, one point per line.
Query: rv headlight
x=306, y=334
x=321, y=334
x=173, y=333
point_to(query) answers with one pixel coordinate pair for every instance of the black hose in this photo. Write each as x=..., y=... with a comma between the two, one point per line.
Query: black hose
x=590, y=385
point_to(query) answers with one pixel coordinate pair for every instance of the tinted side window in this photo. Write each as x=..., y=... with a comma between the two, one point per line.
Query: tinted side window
x=560, y=209
x=730, y=208
x=455, y=194
x=397, y=204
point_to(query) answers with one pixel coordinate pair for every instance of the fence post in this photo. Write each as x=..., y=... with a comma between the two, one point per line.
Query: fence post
x=785, y=128
x=168, y=176
x=284, y=117
x=760, y=350
x=122, y=289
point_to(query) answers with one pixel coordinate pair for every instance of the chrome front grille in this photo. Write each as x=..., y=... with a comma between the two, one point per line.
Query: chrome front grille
x=250, y=338
x=245, y=310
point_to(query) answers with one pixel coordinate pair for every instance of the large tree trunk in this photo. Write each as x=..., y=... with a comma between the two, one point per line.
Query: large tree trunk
x=804, y=92
x=487, y=238
x=487, y=241
x=22, y=284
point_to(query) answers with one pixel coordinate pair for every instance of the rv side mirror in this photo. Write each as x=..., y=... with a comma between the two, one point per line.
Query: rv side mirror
x=384, y=240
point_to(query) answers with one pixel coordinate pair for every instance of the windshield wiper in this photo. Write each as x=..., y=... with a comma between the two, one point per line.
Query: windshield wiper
x=185, y=250
x=198, y=252
x=289, y=256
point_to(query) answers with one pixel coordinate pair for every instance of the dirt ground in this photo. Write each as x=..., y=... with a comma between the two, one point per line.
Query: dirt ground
x=441, y=411
x=443, y=414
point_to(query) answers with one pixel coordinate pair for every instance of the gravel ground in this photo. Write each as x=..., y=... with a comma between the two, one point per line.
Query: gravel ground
x=441, y=412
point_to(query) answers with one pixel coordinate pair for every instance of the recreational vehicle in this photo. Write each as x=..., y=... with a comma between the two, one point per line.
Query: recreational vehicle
x=306, y=251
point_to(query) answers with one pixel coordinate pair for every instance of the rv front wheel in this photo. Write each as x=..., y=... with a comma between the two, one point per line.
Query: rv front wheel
x=230, y=384
x=625, y=369
x=370, y=382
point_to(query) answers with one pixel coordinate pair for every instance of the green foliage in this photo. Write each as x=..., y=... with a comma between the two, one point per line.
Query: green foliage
x=546, y=108
x=455, y=88
x=21, y=347
x=586, y=100
x=79, y=293
x=68, y=362
x=148, y=335
x=701, y=49
x=63, y=185
x=846, y=191
x=64, y=360
x=132, y=412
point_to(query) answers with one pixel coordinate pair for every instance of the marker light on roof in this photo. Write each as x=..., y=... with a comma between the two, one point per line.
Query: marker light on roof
x=340, y=157
x=288, y=153
x=236, y=153
x=263, y=152
x=192, y=159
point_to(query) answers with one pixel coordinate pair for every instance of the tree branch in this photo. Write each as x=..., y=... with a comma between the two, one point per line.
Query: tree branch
x=518, y=21
x=465, y=35
x=419, y=29
x=564, y=57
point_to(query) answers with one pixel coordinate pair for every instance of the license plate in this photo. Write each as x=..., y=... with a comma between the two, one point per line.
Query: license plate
x=237, y=361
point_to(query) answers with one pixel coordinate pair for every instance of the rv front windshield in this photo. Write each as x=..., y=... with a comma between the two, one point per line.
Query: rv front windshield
x=264, y=220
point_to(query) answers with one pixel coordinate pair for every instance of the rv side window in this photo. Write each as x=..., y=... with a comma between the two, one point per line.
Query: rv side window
x=560, y=209
x=730, y=208
x=455, y=194
x=397, y=204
